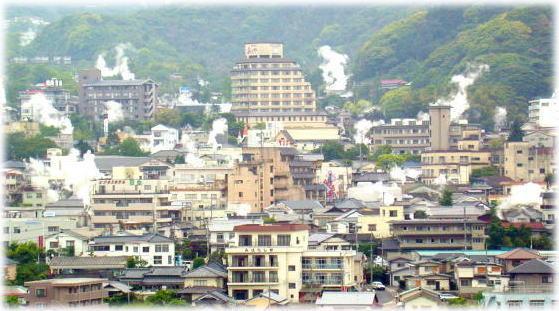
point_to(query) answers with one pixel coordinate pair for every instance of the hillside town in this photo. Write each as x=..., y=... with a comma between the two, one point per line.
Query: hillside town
x=272, y=200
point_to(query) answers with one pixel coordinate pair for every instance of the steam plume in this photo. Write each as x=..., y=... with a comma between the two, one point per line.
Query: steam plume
x=114, y=111
x=219, y=126
x=44, y=113
x=500, y=117
x=121, y=64
x=333, y=69
x=362, y=128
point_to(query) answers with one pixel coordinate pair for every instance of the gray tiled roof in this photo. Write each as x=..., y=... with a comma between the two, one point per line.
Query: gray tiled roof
x=302, y=204
x=106, y=262
x=209, y=271
x=151, y=237
x=107, y=162
x=14, y=164
x=117, y=82
x=70, y=202
x=534, y=266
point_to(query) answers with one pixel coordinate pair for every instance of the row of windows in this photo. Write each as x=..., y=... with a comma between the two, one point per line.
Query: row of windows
x=278, y=95
x=273, y=103
x=268, y=73
x=159, y=248
x=242, y=82
x=273, y=88
x=265, y=65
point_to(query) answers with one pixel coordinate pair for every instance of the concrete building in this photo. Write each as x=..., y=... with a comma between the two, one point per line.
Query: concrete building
x=70, y=292
x=277, y=258
x=155, y=249
x=137, y=97
x=439, y=127
x=452, y=166
x=265, y=81
x=33, y=229
x=403, y=135
x=526, y=162
x=263, y=178
x=420, y=234
x=538, y=109
x=52, y=89
x=221, y=231
x=73, y=242
x=163, y=138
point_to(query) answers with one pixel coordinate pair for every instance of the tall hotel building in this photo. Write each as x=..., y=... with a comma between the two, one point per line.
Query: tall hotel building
x=266, y=82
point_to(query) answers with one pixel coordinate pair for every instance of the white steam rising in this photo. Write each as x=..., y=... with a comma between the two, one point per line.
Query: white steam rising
x=43, y=112
x=423, y=116
x=500, y=117
x=528, y=194
x=114, y=111
x=374, y=192
x=333, y=69
x=459, y=101
x=121, y=64
x=399, y=174
x=76, y=174
x=219, y=126
x=362, y=128
x=27, y=37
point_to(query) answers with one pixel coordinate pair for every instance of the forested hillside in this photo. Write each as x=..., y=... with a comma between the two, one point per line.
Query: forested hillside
x=430, y=46
x=425, y=46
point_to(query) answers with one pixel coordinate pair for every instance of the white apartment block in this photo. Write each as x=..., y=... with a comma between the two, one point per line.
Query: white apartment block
x=163, y=138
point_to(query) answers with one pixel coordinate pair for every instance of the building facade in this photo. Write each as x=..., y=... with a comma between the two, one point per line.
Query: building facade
x=403, y=135
x=69, y=292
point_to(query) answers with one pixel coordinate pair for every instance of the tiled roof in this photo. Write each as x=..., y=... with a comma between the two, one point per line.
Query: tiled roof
x=107, y=162
x=271, y=228
x=199, y=290
x=153, y=238
x=117, y=82
x=347, y=298
x=519, y=253
x=534, y=266
x=302, y=204
x=208, y=271
x=105, y=262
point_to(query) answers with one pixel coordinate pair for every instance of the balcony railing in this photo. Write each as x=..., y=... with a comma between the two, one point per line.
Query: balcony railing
x=254, y=264
x=323, y=266
x=255, y=280
x=323, y=281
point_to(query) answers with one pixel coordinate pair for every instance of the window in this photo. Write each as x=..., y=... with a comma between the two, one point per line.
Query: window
x=245, y=240
x=69, y=243
x=393, y=213
x=17, y=230
x=157, y=260
x=53, y=228
x=464, y=282
x=284, y=240
x=291, y=268
x=292, y=286
x=161, y=248
x=240, y=194
x=53, y=245
x=41, y=292
x=431, y=282
x=145, y=249
x=135, y=249
x=419, y=241
x=200, y=282
x=264, y=240
x=118, y=247
x=170, y=259
x=547, y=279
x=372, y=227
x=101, y=248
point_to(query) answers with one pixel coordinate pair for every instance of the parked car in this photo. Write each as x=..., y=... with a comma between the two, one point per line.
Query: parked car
x=447, y=296
x=378, y=286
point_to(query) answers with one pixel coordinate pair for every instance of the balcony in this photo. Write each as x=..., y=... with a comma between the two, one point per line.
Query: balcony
x=323, y=281
x=251, y=264
x=331, y=266
x=253, y=281
x=97, y=294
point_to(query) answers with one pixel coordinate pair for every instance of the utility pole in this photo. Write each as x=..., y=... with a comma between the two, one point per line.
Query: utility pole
x=465, y=236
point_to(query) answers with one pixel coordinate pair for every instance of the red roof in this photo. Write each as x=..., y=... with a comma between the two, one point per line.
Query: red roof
x=531, y=225
x=519, y=253
x=270, y=228
x=393, y=81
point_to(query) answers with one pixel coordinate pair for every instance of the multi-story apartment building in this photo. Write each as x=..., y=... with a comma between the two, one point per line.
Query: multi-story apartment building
x=277, y=258
x=457, y=233
x=455, y=165
x=155, y=249
x=263, y=178
x=34, y=229
x=163, y=138
x=137, y=97
x=540, y=107
x=403, y=135
x=265, y=81
x=527, y=162
x=67, y=292
x=60, y=98
x=221, y=231
x=131, y=204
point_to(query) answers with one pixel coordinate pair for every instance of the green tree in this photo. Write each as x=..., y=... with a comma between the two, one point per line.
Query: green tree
x=83, y=147
x=269, y=220
x=478, y=297
x=48, y=131
x=20, y=147
x=387, y=161
x=128, y=147
x=331, y=151
x=457, y=301
x=198, y=262
x=135, y=262
x=179, y=159
x=358, y=107
x=420, y=214
x=12, y=301
x=516, y=132
x=446, y=198
x=485, y=171
x=380, y=150
x=217, y=257
x=165, y=297
x=168, y=117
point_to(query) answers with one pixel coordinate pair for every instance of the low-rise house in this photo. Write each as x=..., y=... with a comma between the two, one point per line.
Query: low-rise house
x=328, y=241
x=348, y=300
x=267, y=299
x=72, y=242
x=213, y=298
x=104, y=267
x=155, y=249
x=68, y=292
x=533, y=274
x=155, y=278
x=472, y=277
x=71, y=208
x=432, y=281
x=516, y=257
x=211, y=277
x=419, y=298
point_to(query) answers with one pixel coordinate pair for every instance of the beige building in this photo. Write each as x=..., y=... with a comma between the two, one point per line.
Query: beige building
x=71, y=292
x=265, y=81
x=527, y=162
x=439, y=127
x=454, y=166
x=403, y=135
x=277, y=258
x=263, y=178
x=420, y=234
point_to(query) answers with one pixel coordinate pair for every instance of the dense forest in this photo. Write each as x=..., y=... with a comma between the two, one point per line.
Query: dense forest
x=425, y=46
